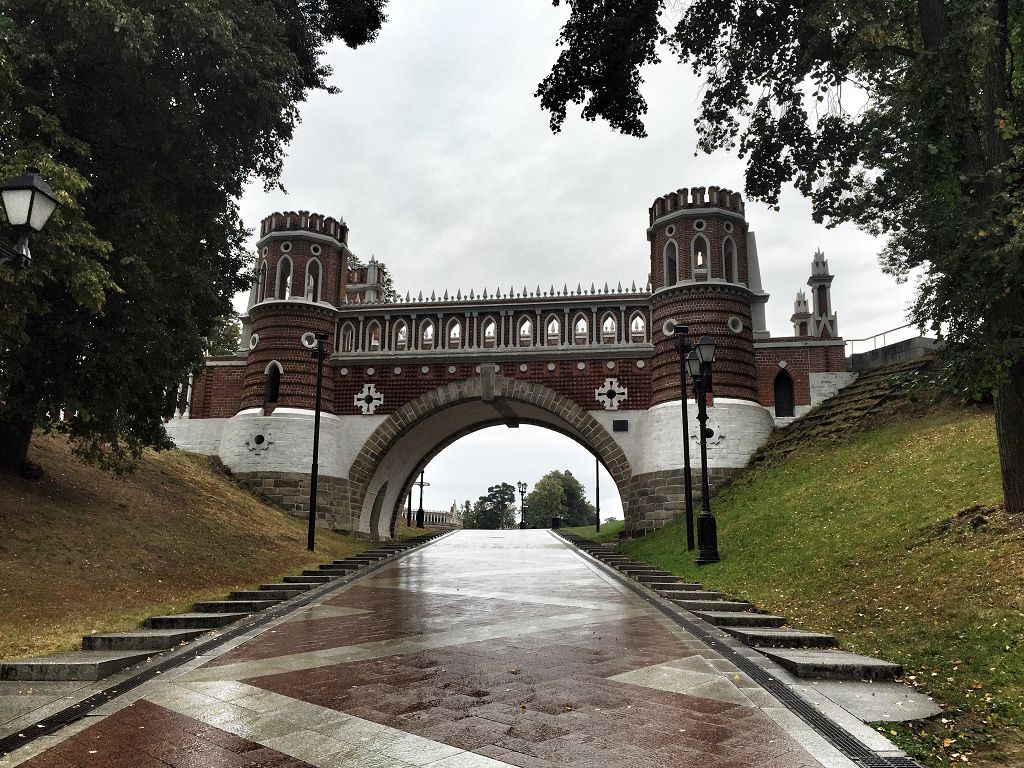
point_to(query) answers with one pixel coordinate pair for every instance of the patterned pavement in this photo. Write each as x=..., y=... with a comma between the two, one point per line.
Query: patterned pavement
x=485, y=649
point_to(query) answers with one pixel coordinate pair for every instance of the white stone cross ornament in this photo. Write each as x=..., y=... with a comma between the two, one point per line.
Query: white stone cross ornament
x=369, y=399
x=610, y=394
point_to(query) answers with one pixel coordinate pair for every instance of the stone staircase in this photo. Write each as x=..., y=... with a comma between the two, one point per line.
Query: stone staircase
x=804, y=654
x=104, y=654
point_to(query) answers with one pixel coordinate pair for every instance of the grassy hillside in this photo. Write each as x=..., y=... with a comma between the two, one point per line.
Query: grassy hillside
x=881, y=525
x=82, y=551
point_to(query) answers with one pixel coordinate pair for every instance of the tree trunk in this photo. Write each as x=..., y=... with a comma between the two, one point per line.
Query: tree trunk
x=15, y=436
x=1010, y=435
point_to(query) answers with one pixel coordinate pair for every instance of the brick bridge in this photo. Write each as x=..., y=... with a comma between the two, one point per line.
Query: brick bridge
x=409, y=376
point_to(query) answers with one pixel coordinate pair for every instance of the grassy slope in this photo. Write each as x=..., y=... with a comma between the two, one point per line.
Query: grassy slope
x=858, y=534
x=608, y=532
x=82, y=551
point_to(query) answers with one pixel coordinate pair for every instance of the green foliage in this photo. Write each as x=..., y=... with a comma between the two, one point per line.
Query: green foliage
x=890, y=539
x=492, y=511
x=146, y=251
x=224, y=335
x=558, y=494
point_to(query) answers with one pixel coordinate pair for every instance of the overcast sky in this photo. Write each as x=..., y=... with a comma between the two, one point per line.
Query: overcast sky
x=439, y=158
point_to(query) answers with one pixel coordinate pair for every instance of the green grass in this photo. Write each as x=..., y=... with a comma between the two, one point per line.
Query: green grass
x=608, y=532
x=863, y=538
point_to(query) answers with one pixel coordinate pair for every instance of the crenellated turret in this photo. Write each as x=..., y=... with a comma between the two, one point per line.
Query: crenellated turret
x=704, y=274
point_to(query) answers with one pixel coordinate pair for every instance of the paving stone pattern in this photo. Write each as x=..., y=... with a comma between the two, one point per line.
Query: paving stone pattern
x=485, y=649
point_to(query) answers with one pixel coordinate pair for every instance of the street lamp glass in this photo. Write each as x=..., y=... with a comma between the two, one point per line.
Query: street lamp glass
x=706, y=349
x=28, y=200
x=693, y=364
x=522, y=487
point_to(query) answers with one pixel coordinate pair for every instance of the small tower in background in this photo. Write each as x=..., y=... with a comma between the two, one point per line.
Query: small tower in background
x=801, y=318
x=823, y=322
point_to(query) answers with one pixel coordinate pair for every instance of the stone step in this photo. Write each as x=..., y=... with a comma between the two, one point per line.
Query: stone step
x=76, y=665
x=288, y=586
x=233, y=606
x=264, y=594
x=713, y=605
x=740, y=618
x=193, y=620
x=780, y=638
x=662, y=586
x=832, y=665
x=638, y=569
x=321, y=577
x=140, y=640
x=691, y=594
x=651, y=578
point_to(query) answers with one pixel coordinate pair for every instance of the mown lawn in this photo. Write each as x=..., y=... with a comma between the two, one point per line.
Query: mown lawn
x=892, y=540
x=608, y=532
x=82, y=551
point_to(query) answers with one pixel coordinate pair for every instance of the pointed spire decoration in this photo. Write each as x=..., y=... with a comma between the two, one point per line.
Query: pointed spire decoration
x=511, y=291
x=606, y=286
x=579, y=289
x=471, y=296
x=485, y=292
x=407, y=296
x=619, y=289
x=592, y=289
x=446, y=294
x=433, y=296
x=420, y=299
x=633, y=288
x=565, y=289
x=648, y=287
x=458, y=295
x=524, y=291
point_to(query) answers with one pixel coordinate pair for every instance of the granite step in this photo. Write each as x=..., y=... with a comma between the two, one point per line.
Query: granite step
x=75, y=665
x=713, y=605
x=233, y=606
x=193, y=620
x=264, y=594
x=740, y=618
x=780, y=638
x=821, y=664
x=669, y=586
x=691, y=594
x=657, y=577
x=287, y=586
x=322, y=577
x=336, y=568
x=140, y=640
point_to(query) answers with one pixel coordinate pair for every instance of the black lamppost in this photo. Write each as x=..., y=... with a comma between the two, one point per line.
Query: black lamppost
x=319, y=354
x=597, y=493
x=698, y=363
x=408, y=509
x=28, y=202
x=522, y=503
x=419, y=512
x=683, y=348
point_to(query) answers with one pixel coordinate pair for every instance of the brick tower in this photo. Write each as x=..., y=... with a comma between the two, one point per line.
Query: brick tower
x=301, y=272
x=701, y=276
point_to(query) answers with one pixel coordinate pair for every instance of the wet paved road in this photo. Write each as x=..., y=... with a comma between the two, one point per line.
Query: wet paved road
x=485, y=649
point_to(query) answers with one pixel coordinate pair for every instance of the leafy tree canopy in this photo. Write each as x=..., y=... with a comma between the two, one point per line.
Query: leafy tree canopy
x=902, y=117
x=558, y=494
x=494, y=510
x=147, y=118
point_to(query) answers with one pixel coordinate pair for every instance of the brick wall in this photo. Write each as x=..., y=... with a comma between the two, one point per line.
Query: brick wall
x=801, y=361
x=216, y=392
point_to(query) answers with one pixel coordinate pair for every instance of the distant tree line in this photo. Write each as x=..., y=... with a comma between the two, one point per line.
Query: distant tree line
x=557, y=494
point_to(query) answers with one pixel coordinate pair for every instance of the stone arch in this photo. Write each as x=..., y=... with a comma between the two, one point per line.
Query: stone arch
x=395, y=452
